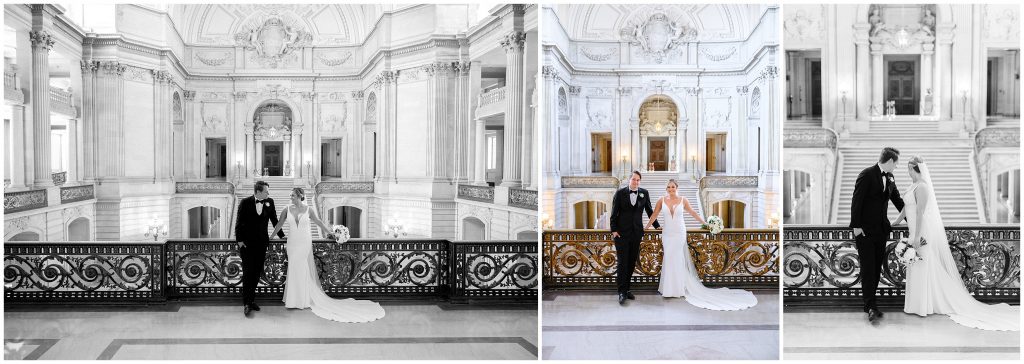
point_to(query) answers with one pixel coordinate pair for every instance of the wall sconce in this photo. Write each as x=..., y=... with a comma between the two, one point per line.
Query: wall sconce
x=545, y=222
x=155, y=229
x=773, y=221
x=394, y=229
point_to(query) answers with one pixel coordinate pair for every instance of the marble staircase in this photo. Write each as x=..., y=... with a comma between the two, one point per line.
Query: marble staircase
x=280, y=191
x=947, y=154
x=655, y=182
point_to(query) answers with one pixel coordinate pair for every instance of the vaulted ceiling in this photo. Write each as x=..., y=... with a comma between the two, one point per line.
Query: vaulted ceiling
x=217, y=24
x=719, y=22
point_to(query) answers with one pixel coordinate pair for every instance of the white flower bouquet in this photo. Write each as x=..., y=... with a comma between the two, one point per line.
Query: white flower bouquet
x=911, y=255
x=341, y=233
x=714, y=224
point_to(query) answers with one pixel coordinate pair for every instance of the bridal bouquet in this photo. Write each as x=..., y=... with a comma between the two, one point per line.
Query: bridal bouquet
x=911, y=255
x=341, y=234
x=714, y=224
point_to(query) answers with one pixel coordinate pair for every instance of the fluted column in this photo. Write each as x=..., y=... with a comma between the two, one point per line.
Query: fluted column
x=926, y=77
x=877, y=80
x=480, y=172
x=88, y=121
x=514, y=95
x=357, y=135
x=42, y=42
x=863, y=71
x=190, y=136
x=73, y=174
x=20, y=170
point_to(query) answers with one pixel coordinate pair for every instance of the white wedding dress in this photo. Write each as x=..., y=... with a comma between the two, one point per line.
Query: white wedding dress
x=302, y=286
x=679, y=275
x=933, y=283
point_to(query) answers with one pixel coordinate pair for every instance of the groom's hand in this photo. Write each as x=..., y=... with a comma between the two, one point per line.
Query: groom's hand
x=241, y=244
x=858, y=232
x=615, y=234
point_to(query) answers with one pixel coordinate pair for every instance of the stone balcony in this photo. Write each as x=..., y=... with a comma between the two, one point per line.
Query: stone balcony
x=492, y=102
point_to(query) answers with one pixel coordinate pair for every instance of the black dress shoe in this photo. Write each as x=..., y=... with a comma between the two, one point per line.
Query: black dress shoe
x=874, y=314
x=622, y=298
x=247, y=310
x=630, y=295
x=880, y=313
x=254, y=306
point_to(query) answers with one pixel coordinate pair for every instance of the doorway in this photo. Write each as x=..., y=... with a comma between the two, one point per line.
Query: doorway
x=216, y=158
x=272, y=158
x=330, y=158
x=902, y=82
x=814, y=87
x=715, y=151
x=657, y=154
x=601, y=152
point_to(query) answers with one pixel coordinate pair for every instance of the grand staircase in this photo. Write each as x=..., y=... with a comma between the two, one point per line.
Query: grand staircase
x=280, y=191
x=946, y=153
x=655, y=182
x=803, y=123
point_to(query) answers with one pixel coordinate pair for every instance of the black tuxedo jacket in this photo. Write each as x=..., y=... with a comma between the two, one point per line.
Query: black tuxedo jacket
x=871, y=201
x=251, y=226
x=627, y=219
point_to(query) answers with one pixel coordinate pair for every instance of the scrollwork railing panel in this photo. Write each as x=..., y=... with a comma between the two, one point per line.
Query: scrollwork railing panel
x=735, y=257
x=821, y=263
x=24, y=200
x=344, y=187
x=204, y=187
x=526, y=199
x=77, y=193
x=83, y=272
x=809, y=138
x=495, y=269
x=476, y=193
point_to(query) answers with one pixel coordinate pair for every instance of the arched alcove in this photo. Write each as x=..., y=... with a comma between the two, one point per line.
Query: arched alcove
x=732, y=212
x=659, y=121
x=25, y=236
x=349, y=216
x=78, y=230
x=473, y=229
x=796, y=190
x=204, y=222
x=529, y=235
x=590, y=215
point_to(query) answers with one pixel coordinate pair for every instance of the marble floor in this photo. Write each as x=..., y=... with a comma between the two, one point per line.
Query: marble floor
x=220, y=331
x=592, y=325
x=818, y=333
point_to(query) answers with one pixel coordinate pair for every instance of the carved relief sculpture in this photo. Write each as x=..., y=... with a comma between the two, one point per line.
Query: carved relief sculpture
x=657, y=36
x=273, y=41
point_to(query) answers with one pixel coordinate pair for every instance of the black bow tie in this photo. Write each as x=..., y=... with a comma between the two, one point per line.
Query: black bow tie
x=632, y=192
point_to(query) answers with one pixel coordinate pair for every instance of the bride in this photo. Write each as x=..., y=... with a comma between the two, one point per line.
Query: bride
x=933, y=283
x=678, y=273
x=302, y=287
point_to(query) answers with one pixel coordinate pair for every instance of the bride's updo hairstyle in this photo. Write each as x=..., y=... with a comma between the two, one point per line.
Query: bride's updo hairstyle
x=914, y=162
x=672, y=182
x=299, y=192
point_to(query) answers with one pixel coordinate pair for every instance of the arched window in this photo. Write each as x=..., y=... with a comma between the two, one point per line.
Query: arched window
x=204, y=222
x=527, y=236
x=590, y=215
x=473, y=229
x=78, y=230
x=25, y=236
x=349, y=216
x=732, y=213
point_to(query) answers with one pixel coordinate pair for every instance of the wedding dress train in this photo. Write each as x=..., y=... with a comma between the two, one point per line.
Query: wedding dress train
x=302, y=287
x=679, y=275
x=933, y=284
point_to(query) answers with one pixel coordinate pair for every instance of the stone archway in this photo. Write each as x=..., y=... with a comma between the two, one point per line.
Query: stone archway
x=659, y=125
x=473, y=229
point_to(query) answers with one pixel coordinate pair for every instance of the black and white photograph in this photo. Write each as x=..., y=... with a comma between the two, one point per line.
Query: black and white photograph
x=274, y=182
x=901, y=192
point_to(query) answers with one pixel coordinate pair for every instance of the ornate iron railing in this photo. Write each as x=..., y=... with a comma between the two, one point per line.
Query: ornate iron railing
x=809, y=138
x=728, y=182
x=822, y=267
x=993, y=137
x=45, y=272
x=608, y=182
x=344, y=187
x=77, y=193
x=24, y=200
x=204, y=187
x=477, y=193
x=583, y=259
x=526, y=199
x=494, y=270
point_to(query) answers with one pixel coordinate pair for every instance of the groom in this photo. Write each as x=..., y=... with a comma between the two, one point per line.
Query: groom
x=627, y=226
x=874, y=189
x=251, y=235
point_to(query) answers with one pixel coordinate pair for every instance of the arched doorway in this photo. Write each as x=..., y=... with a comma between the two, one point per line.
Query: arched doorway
x=272, y=138
x=1006, y=202
x=659, y=118
x=590, y=215
x=25, y=236
x=349, y=216
x=78, y=230
x=473, y=229
x=204, y=222
x=796, y=188
x=732, y=213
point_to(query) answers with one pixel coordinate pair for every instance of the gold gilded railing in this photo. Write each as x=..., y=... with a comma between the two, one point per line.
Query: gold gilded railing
x=585, y=259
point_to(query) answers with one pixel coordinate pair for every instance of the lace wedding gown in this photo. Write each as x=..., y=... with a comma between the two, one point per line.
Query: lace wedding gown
x=679, y=275
x=302, y=287
x=934, y=285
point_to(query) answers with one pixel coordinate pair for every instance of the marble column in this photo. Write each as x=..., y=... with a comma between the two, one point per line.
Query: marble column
x=576, y=133
x=863, y=93
x=942, y=82
x=739, y=158
x=258, y=144
x=787, y=193
x=926, y=76
x=21, y=168
x=87, y=124
x=286, y=154
x=73, y=174
x=877, y=80
x=109, y=100
x=480, y=167
x=1015, y=193
x=527, y=149
x=514, y=94
x=190, y=136
x=42, y=42
x=357, y=135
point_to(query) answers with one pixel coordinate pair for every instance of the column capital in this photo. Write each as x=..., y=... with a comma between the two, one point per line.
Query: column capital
x=189, y=95
x=41, y=39
x=462, y=68
x=358, y=95
x=240, y=96
x=89, y=66
x=385, y=78
x=514, y=41
x=574, y=90
x=693, y=91
x=742, y=90
x=113, y=68
x=161, y=76
x=549, y=72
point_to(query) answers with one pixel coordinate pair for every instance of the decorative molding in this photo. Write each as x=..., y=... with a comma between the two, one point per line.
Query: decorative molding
x=77, y=193
x=728, y=182
x=521, y=198
x=24, y=200
x=476, y=193
x=657, y=36
x=189, y=95
x=344, y=187
x=214, y=59
x=997, y=138
x=809, y=138
x=802, y=27
x=273, y=42
x=334, y=60
x=41, y=39
x=599, y=54
x=605, y=182
x=513, y=41
x=204, y=187
x=718, y=55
